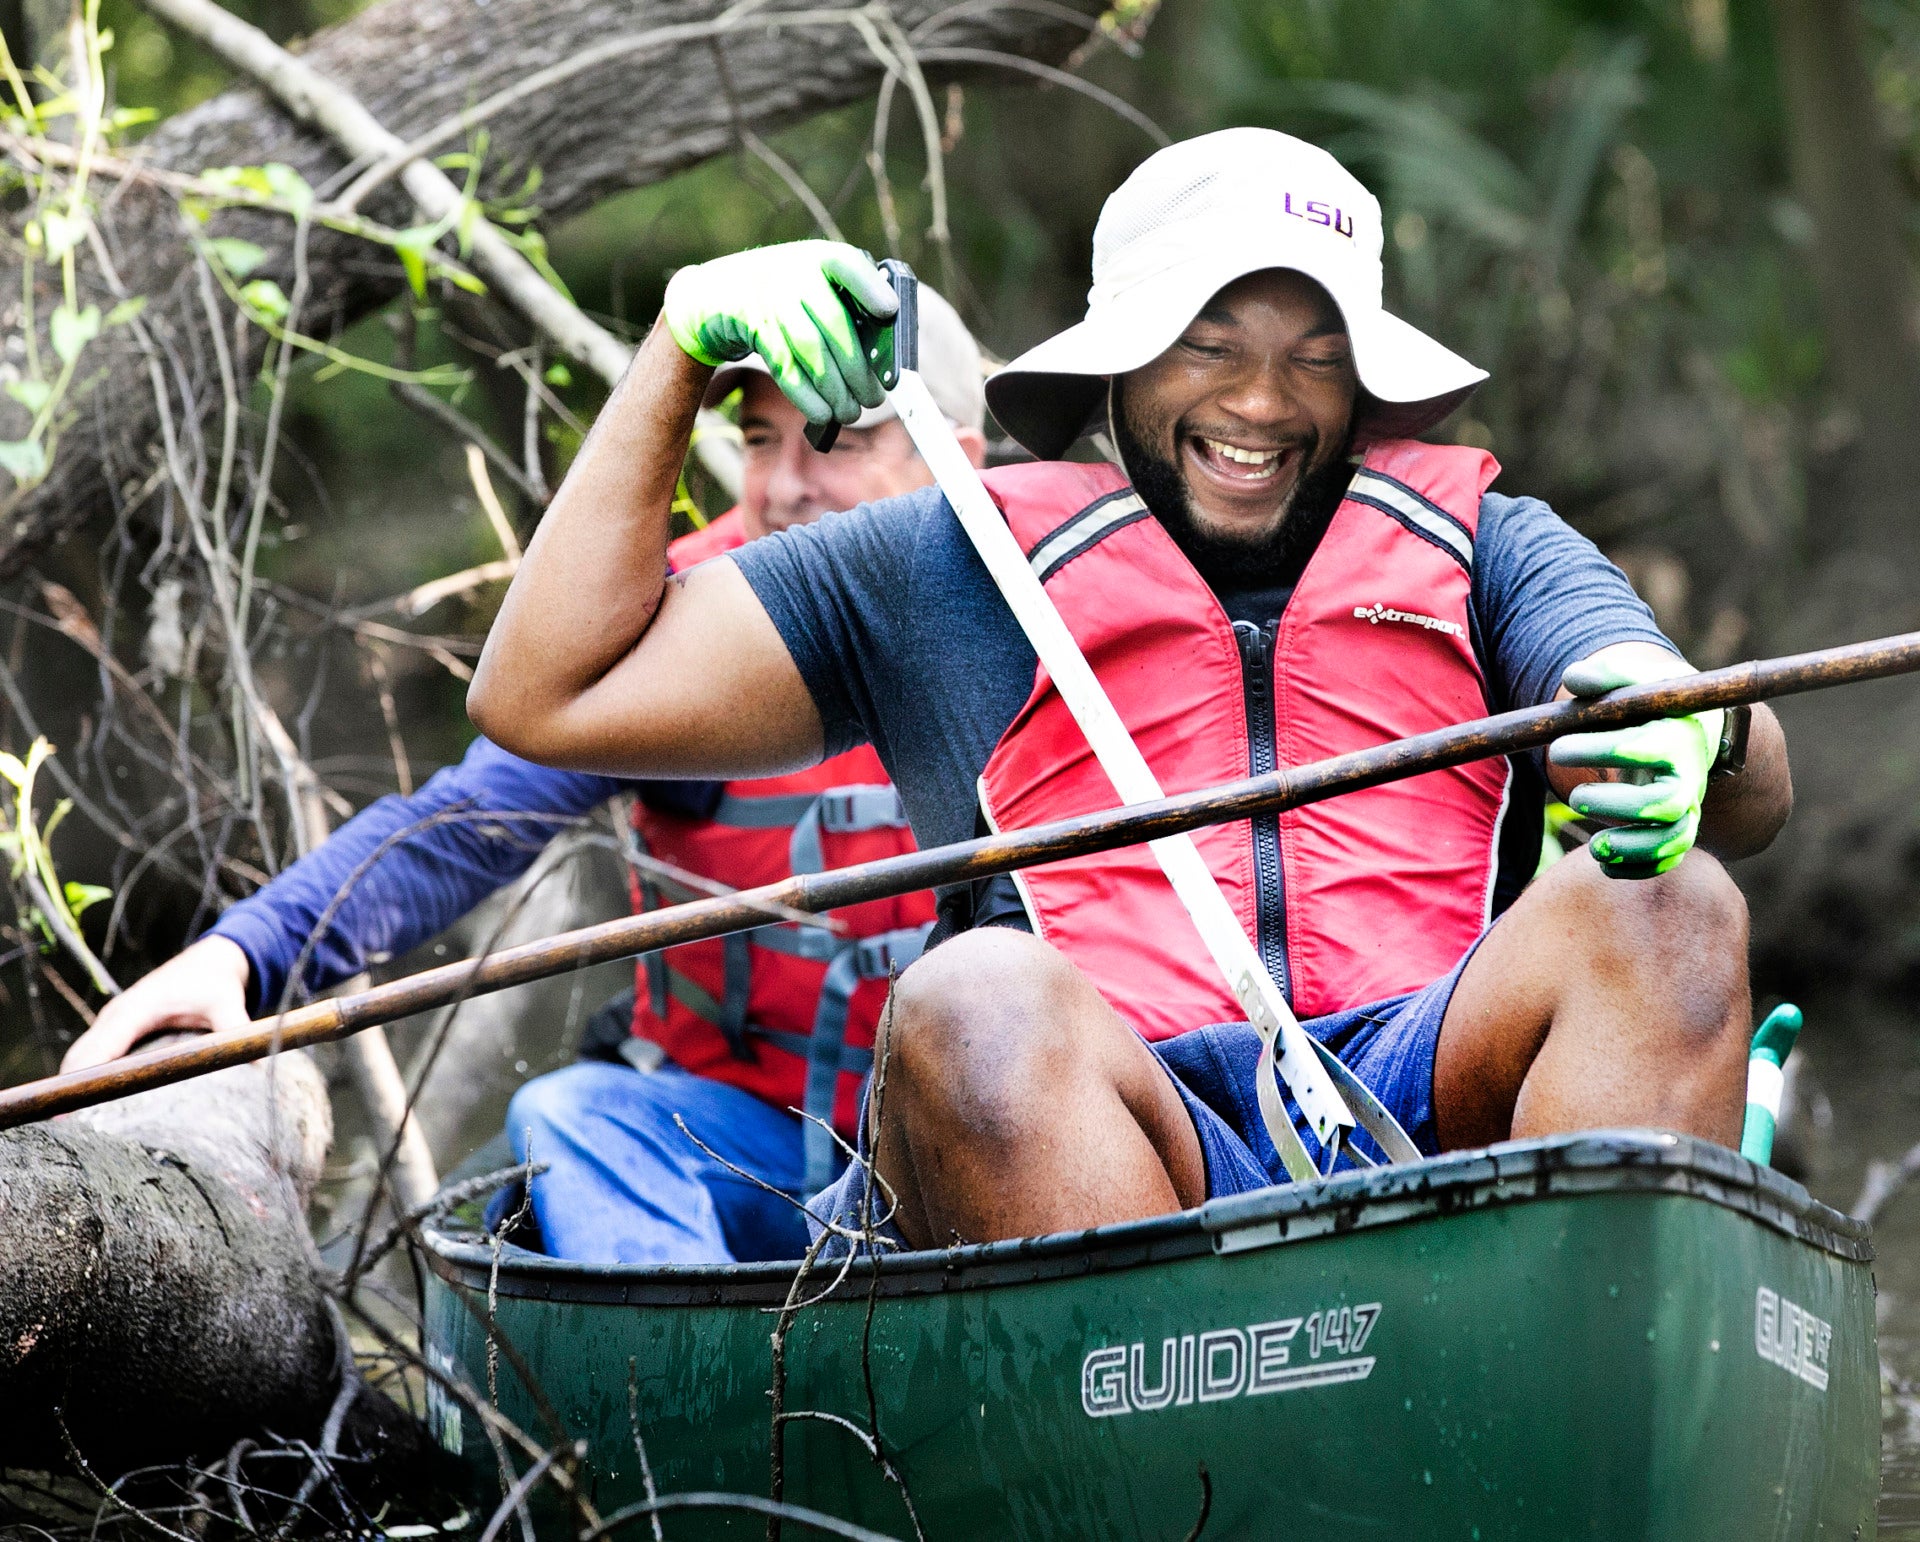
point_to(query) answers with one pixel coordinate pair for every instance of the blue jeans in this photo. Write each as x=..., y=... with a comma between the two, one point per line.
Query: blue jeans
x=624, y=1183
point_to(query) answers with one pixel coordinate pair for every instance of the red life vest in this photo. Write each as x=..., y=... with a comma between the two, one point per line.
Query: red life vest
x=786, y=1012
x=1351, y=900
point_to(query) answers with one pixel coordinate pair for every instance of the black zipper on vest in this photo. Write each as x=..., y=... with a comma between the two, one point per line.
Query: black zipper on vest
x=1256, y=684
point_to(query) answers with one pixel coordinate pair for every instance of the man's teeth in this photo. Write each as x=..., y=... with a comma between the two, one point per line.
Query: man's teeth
x=1262, y=459
x=1245, y=457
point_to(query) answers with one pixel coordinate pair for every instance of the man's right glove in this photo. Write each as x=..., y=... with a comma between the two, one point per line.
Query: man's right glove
x=1668, y=762
x=789, y=305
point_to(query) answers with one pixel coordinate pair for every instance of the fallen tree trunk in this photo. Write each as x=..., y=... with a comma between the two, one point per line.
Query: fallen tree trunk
x=414, y=64
x=157, y=1287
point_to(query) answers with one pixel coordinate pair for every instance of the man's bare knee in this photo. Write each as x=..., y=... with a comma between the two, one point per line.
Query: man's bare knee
x=983, y=1009
x=1682, y=938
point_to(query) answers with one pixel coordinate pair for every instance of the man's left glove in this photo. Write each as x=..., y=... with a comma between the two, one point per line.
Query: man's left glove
x=789, y=305
x=1667, y=764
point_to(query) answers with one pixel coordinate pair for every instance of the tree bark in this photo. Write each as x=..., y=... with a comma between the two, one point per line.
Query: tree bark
x=414, y=64
x=1835, y=896
x=157, y=1290
x=1843, y=173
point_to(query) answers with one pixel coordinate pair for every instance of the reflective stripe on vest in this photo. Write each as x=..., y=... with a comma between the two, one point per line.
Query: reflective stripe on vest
x=1364, y=896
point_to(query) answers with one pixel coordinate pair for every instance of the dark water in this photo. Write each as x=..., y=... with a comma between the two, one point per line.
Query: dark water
x=1863, y=1075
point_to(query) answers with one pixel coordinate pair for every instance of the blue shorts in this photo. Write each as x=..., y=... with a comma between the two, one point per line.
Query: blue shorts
x=1388, y=1044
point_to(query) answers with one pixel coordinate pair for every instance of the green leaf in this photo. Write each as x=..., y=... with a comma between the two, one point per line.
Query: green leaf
x=238, y=257
x=126, y=310
x=62, y=232
x=25, y=460
x=471, y=282
x=416, y=267
x=266, y=298
x=60, y=811
x=558, y=374
x=471, y=216
x=242, y=179
x=72, y=330
x=80, y=895
x=12, y=768
x=31, y=394
x=288, y=186
x=412, y=246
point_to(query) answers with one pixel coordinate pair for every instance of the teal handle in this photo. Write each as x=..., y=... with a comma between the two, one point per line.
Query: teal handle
x=1773, y=1041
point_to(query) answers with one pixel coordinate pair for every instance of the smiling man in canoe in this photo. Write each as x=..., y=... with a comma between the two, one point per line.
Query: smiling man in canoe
x=1276, y=572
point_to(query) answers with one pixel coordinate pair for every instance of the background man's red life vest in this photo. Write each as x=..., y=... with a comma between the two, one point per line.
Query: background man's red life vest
x=786, y=1012
x=1349, y=901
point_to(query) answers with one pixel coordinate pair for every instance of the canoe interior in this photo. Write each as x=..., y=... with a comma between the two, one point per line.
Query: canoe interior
x=1608, y=1335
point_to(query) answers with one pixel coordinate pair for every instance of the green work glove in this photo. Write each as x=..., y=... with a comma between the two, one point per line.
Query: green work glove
x=1667, y=763
x=789, y=305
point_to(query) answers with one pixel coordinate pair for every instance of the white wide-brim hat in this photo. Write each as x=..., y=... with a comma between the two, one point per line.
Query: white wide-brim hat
x=949, y=364
x=1190, y=220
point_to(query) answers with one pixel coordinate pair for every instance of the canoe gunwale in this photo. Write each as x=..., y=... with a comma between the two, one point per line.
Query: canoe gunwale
x=1514, y=1172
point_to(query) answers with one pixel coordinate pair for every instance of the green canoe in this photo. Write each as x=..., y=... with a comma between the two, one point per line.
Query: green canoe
x=1618, y=1335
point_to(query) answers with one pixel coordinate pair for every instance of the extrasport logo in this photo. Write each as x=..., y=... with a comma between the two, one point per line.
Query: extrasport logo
x=1223, y=1363
x=1376, y=613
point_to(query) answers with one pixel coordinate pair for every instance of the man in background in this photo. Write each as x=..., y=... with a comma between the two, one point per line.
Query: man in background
x=731, y=1035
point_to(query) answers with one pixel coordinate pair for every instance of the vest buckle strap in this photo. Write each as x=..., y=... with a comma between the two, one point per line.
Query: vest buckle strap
x=851, y=810
x=777, y=812
x=877, y=957
x=855, y=1059
x=814, y=943
x=841, y=811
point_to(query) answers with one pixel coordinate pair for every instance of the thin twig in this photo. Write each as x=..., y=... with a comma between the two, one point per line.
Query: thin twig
x=639, y=1445
x=1118, y=105
x=390, y=715
x=451, y=1197
x=1883, y=1181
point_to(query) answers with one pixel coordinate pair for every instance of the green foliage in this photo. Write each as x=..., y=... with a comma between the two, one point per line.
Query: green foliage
x=60, y=904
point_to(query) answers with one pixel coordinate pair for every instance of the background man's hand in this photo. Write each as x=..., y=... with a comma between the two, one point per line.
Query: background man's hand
x=789, y=305
x=204, y=986
x=1662, y=767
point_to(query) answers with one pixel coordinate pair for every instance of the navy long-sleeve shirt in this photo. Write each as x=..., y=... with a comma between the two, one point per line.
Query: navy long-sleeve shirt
x=467, y=831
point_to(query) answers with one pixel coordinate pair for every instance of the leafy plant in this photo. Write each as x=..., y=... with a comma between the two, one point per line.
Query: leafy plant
x=57, y=906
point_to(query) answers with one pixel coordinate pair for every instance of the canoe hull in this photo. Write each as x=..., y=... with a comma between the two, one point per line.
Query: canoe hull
x=1613, y=1336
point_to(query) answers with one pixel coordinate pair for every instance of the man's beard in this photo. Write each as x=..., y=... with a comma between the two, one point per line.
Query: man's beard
x=1227, y=562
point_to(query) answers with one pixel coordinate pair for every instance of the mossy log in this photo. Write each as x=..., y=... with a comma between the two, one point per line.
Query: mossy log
x=158, y=1290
